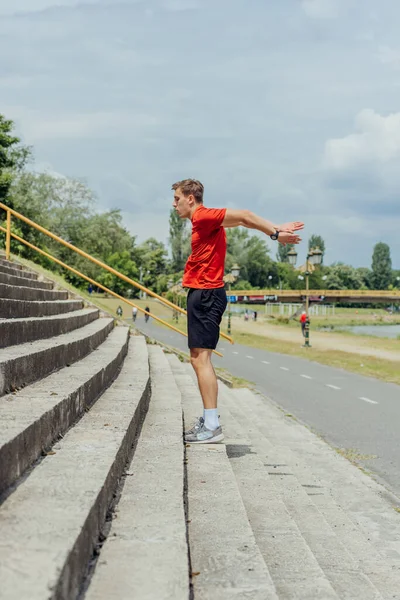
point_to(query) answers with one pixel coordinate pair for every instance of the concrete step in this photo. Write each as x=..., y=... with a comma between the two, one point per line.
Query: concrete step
x=293, y=567
x=20, y=331
x=145, y=555
x=351, y=563
x=368, y=505
x=51, y=523
x=224, y=554
x=16, y=309
x=9, y=263
x=16, y=292
x=23, y=281
x=34, y=418
x=25, y=363
x=17, y=271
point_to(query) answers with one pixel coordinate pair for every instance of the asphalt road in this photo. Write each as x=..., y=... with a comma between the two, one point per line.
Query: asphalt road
x=348, y=410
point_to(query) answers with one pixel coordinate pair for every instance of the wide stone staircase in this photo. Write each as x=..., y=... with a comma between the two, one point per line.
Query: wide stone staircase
x=101, y=499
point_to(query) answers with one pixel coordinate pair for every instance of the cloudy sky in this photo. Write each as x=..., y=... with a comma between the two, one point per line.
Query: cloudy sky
x=290, y=108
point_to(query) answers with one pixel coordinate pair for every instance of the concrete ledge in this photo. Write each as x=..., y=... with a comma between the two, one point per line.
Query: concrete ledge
x=146, y=554
x=26, y=293
x=20, y=331
x=224, y=553
x=23, y=281
x=35, y=417
x=18, y=309
x=51, y=523
x=17, y=272
x=25, y=363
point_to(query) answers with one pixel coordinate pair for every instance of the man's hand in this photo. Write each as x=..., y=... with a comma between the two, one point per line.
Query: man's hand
x=290, y=227
x=286, y=237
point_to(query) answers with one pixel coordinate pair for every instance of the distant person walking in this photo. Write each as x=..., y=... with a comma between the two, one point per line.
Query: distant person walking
x=206, y=301
x=119, y=311
x=146, y=317
x=134, y=313
x=303, y=321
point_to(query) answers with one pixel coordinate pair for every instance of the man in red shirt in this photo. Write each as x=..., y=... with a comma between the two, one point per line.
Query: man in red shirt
x=206, y=301
x=303, y=319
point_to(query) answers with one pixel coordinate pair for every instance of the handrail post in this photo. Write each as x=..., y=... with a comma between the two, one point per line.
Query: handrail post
x=8, y=235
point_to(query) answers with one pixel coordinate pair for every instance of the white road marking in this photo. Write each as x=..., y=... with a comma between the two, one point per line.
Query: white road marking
x=265, y=362
x=284, y=368
x=306, y=376
x=249, y=356
x=235, y=352
x=368, y=400
x=334, y=387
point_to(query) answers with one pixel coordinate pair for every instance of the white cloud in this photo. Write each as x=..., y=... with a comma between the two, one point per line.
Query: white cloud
x=389, y=56
x=15, y=82
x=244, y=100
x=19, y=6
x=320, y=9
x=178, y=5
x=377, y=141
x=37, y=126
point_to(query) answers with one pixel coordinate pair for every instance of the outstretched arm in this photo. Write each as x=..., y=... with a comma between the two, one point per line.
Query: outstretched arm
x=245, y=218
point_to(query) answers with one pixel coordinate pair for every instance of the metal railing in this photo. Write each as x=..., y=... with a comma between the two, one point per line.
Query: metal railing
x=10, y=234
x=325, y=293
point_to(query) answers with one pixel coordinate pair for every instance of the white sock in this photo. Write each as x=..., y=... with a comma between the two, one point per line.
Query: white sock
x=211, y=418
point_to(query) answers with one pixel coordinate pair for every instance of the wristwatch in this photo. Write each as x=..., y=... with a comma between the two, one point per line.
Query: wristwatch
x=274, y=236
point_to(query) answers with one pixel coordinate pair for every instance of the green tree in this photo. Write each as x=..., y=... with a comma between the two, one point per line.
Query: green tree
x=261, y=269
x=178, y=235
x=122, y=262
x=13, y=157
x=282, y=253
x=343, y=277
x=381, y=267
x=67, y=208
x=317, y=241
x=151, y=256
x=252, y=255
x=396, y=278
x=288, y=276
x=365, y=275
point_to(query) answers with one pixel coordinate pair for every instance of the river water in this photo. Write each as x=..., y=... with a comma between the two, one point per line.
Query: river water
x=386, y=331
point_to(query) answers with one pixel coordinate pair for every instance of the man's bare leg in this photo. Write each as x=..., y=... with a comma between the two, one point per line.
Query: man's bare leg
x=206, y=378
x=207, y=430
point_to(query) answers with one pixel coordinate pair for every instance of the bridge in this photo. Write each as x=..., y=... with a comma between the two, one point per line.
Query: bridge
x=330, y=296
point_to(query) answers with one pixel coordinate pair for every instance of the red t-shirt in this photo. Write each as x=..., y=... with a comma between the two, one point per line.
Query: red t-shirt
x=205, y=266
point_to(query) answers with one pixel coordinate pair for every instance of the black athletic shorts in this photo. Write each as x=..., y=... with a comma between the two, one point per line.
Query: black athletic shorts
x=204, y=313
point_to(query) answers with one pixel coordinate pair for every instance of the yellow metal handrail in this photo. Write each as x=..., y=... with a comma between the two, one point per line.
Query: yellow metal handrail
x=9, y=234
x=326, y=293
x=103, y=287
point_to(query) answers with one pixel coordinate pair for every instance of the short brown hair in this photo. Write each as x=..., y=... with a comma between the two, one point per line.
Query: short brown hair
x=190, y=187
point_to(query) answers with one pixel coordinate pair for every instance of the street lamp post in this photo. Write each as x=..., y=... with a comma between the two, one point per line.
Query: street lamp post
x=229, y=279
x=141, y=281
x=314, y=258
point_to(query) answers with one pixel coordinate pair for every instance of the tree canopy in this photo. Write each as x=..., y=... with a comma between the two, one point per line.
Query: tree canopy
x=13, y=156
x=381, y=267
